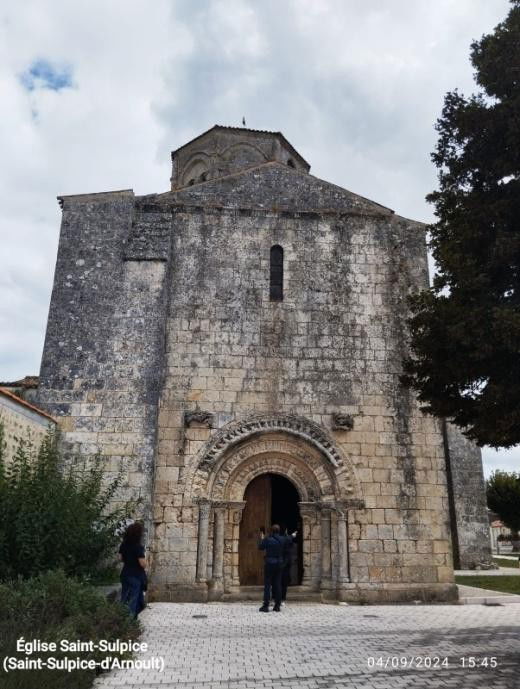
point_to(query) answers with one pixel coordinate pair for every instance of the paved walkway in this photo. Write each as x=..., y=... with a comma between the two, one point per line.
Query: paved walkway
x=473, y=595
x=500, y=572
x=315, y=646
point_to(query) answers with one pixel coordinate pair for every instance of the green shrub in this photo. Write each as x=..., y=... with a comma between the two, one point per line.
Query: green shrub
x=52, y=607
x=55, y=518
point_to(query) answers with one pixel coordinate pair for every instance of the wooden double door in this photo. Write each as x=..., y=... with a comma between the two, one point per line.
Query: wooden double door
x=269, y=499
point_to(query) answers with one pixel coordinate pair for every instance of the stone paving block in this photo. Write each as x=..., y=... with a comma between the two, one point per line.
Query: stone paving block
x=313, y=646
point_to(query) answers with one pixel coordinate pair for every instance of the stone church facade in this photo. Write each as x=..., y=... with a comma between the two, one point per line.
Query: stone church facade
x=234, y=347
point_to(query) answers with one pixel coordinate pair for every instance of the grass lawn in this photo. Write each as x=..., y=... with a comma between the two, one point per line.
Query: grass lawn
x=507, y=584
x=503, y=562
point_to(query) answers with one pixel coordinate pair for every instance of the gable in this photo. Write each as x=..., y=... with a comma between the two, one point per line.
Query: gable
x=274, y=186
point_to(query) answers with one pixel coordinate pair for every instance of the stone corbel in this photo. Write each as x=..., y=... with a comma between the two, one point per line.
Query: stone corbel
x=342, y=422
x=199, y=416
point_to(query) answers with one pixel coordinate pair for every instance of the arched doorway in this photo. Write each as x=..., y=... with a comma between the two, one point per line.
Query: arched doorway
x=324, y=481
x=269, y=499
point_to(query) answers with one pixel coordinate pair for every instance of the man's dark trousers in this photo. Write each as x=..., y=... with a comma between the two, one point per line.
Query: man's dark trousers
x=272, y=578
x=286, y=578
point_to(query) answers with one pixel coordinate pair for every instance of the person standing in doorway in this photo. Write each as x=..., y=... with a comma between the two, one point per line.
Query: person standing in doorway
x=288, y=541
x=133, y=575
x=273, y=563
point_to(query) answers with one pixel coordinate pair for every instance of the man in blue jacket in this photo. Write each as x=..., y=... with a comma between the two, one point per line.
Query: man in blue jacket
x=273, y=564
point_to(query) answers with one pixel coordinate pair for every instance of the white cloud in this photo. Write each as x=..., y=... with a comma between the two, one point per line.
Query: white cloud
x=101, y=134
x=355, y=86
x=504, y=460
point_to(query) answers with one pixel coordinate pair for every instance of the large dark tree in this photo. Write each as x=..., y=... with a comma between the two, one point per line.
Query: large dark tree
x=503, y=497
x=465, y=330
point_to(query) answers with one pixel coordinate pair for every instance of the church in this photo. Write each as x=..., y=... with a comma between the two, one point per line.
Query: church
x=233, y=347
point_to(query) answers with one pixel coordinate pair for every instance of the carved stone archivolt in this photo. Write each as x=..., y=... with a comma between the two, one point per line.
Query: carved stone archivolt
x=297, y=426
x=235, y=475
x=275, y=453
x=288, y=445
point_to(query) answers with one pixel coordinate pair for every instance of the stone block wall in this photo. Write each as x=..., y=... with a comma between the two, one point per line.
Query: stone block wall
x=334, y=345
x=161, y=309
x=469, y=518
x=102, y=365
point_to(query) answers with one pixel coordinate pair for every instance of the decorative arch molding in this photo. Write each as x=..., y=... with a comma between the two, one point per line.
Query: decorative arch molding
x=307, y=488
x=268, y=454
x=197, y=155
x=305, y=448
x=298, y=426
x=197, y=163
x=226, y=153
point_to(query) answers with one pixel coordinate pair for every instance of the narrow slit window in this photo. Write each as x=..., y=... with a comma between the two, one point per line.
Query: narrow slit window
x=276, y=287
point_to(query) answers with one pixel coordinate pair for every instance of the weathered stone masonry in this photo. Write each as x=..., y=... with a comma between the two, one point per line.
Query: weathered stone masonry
x=165, y=354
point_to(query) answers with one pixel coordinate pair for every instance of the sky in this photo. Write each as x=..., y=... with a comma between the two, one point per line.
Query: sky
x=94, y=96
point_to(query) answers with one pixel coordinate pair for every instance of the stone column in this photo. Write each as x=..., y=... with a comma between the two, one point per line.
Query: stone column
x=202, y=545
x=343, y=574
x=326, y=562
x=344, y=585
x=236, y=509
x=217, y=578
x=308, y=511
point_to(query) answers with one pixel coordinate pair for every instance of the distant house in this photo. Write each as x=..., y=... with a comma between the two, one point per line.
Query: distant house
x=499, y=534
x=25, y=388
x=21, y=421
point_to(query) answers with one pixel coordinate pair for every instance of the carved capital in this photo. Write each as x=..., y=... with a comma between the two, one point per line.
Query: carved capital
x=204, y=507
x=326, y=510
x=341, y=509
x=234, y=505
x=308, y=510
x=236, y=511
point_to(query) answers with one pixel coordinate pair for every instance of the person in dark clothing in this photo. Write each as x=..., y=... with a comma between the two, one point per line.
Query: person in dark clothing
x=133, y=574
x=288, y=541
x=273, y=562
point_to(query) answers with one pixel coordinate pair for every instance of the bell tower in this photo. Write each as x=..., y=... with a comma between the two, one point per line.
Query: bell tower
x=223, y=151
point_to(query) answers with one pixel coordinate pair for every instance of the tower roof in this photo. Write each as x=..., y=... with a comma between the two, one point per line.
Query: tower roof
x=221, y=127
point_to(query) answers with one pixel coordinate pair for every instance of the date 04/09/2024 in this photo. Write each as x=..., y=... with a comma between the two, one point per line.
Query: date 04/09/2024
x=432, y=662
